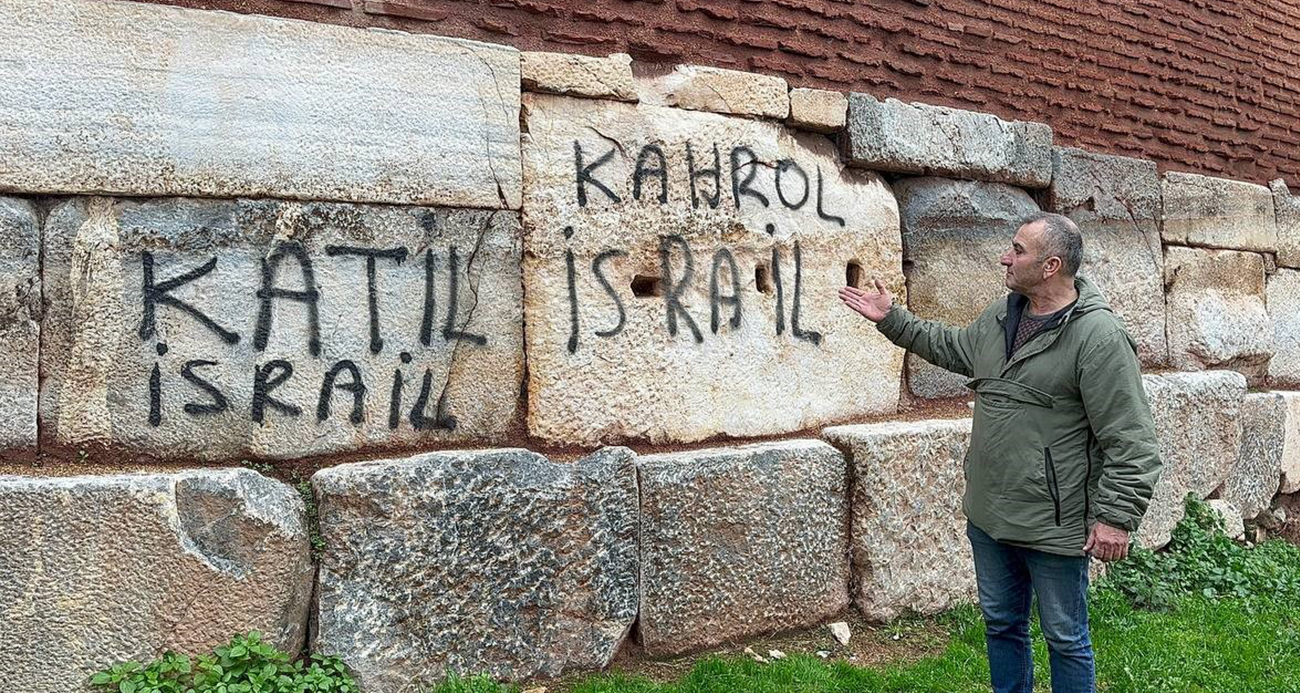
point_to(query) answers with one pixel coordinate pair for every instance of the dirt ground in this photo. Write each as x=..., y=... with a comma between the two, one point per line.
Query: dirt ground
x=1290, y=530
x=902, y=642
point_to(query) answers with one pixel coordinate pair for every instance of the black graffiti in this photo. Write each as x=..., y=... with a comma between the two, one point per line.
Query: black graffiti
x=677, y=273
x=789, y=165
x=809, y=335
x=597, y=268
x=740, y=188
x=157, y=293
x=274, y=375
x=659, y=171
x=269, y=292
x=372, y=281
x=264, y=383
x=440, y=419
x=672, y=296
x=695, y=175
x=449, y=330
x=652, y=165
x=155, y=396
x=716, y=299
x=219, y=402
x=584, y=174
x=356, y=387
x=821, y=211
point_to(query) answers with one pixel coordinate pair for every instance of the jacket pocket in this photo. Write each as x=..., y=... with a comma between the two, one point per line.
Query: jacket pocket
x=1053, y=484
x=1008, y=392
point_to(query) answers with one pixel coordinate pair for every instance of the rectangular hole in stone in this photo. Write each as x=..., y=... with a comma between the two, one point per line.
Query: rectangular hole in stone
x=643, y=286
x=853, y=274
x=762, y=280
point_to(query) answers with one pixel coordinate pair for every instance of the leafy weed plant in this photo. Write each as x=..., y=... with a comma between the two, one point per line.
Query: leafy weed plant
x=245, y=665
x=1201, y=559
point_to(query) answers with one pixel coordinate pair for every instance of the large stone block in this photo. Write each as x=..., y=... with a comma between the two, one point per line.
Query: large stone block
x=221, y=329
x=1282, y=298
x=909, y=546
x=579, y=75
x=713, y=89
x=1291, y=444
x=1287, y=211
x=818, y=110
x=1216, y=318
x=1254, y=479
x=1199, y=430
x=140, y=99
x=695, y=298
x=1217, y=213
x=20, y=330
x=918, y=138
x=102, y=570
x=488, y=561
x=954, y=232
x=737, y=542
x=1115, y=201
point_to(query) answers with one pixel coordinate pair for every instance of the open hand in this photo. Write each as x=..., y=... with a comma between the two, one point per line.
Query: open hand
x=1107, y=543
x=872, y=305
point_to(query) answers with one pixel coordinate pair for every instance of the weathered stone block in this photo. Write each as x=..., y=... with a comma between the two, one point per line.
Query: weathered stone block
x=1291, y=444
x=1254, y=480
x=141, y=99
x=1287, y=211
x=1217, y=213
x=918, y=138
x=954, y=233
x=909, y=547
x=1233, y=526
x=818, y=110
x=1215, y=311
x=1115, y=200
x=579, y=75
x=102, y=570
x=222, y=329
x=20, y=313
x=1198, y=427
x=486, y=561
x=736, y=542
x=713, y=89
x=683, y=286
x=1282, y=298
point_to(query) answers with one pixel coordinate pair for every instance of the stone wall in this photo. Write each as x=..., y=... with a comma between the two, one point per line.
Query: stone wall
x=1195, y=85
x=229, y=238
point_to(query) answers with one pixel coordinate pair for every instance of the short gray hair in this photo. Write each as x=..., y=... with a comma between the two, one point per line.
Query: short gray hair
x=1061, y=238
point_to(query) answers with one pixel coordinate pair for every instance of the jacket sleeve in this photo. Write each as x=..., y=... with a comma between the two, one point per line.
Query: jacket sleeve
x=1110, y=383
x=944, y=346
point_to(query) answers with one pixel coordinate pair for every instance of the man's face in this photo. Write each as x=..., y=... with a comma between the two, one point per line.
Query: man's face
x=1024, y=268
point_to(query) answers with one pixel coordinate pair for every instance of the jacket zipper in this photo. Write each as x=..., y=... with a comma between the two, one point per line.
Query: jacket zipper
x=1087, y=484
x=1053, y=488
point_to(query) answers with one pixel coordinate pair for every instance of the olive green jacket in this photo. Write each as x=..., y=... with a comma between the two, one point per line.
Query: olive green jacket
x=1062, y=434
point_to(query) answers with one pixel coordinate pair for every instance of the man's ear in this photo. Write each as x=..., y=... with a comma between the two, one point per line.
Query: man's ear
x=1051, y=265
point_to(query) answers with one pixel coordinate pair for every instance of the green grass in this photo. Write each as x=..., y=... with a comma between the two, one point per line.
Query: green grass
x=1206, y=616
x=1202, y=645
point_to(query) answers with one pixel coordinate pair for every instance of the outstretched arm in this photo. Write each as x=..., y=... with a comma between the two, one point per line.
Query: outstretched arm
x=944, y=346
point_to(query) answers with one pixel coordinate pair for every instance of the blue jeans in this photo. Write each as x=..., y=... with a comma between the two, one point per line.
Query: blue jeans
x=1005, y=575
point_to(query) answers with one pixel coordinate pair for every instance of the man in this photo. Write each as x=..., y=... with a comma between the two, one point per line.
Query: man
x=1063, y=455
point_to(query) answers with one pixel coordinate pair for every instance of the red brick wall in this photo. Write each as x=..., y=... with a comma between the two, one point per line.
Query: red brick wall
x=1208, y=86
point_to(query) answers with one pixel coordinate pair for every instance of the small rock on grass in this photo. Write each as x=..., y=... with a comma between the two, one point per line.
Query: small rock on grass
x=840, y=630
x=757, y=657
x=776, y=654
